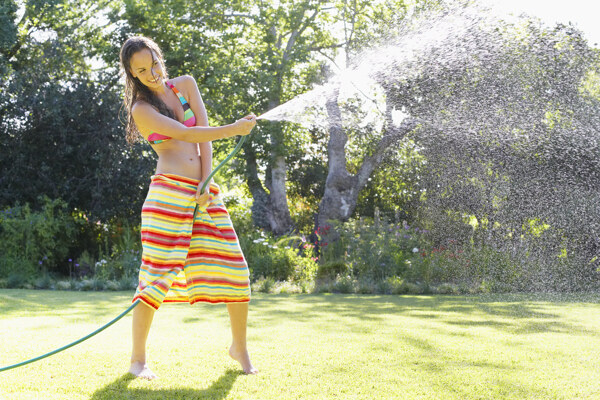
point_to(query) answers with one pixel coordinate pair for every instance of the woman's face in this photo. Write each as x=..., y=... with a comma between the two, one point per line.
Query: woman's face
x=148, y=70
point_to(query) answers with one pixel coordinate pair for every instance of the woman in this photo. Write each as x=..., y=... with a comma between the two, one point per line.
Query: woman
x=190, y=250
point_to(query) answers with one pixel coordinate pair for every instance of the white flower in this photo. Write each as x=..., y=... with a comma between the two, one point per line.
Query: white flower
x=415, y=250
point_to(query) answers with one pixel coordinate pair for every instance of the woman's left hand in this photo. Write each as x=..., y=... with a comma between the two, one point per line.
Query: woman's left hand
x=203, y=198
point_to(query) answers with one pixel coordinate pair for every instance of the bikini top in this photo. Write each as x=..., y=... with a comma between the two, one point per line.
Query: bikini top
x=189, y=119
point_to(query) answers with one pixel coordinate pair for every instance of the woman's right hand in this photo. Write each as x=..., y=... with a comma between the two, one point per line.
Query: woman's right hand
x=244, y=126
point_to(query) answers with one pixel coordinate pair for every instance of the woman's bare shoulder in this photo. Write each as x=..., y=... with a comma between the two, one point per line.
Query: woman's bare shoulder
x=186, y=84
x=184, y=80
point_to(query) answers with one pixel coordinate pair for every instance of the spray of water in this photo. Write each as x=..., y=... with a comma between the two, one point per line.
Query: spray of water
x=508, y=117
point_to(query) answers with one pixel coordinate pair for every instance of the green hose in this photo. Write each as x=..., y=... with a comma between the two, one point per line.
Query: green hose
x=233, y=153
x=74, y=343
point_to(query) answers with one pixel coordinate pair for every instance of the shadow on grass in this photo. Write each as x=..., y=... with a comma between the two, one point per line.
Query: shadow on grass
x=119, y=389
x=512, y=313
x=519, y=313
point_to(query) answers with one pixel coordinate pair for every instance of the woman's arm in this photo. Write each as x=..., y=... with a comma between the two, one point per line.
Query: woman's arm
x=148, y=118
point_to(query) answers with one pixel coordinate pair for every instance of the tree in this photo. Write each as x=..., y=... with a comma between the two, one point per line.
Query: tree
x=60, y=127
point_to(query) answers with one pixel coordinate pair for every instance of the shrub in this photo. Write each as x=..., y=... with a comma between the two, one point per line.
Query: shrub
x=413, y=288
x=448, y=288
x=43, y=282
x=85, y=285
x=345, y=284
x=128, y=283
x=280, y=260
x=16, y=280
x=392, y=285
x=366, y=287
x=35, y=241
x=371, y=249
x=331, y=269
x=263, y=284
x=112, y=285
x=63, y=285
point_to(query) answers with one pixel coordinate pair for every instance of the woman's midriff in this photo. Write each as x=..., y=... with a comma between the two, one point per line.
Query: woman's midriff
x=179, y=159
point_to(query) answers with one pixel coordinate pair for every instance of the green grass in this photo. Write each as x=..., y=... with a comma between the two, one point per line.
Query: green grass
x=309, y=347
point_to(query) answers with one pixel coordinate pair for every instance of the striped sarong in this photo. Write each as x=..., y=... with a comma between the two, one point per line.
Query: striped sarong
x=187, y=258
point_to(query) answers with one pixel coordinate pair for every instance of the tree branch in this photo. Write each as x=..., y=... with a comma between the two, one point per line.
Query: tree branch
x=250, y=16
x=390, y=138
x=295, y=34
x=333, y=46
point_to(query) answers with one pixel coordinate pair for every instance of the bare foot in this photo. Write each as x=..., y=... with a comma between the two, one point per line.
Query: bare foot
x=243, y=358
x=141, y=370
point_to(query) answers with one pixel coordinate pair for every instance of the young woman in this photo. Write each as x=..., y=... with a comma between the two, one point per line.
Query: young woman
x=190, y=250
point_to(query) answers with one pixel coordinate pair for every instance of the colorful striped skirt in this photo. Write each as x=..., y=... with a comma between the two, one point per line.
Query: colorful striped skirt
x=189, y=258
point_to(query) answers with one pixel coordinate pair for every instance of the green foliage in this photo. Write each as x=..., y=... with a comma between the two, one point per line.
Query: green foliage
x=36, y=241
x=394, y=186
x=331, y=269
x=124, y=259
x=63, y=137
x=280, y=260
x=72, y=148
x=371, y=250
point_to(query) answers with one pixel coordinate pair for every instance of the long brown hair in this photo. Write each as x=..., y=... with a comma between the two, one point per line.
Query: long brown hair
x=136, y=90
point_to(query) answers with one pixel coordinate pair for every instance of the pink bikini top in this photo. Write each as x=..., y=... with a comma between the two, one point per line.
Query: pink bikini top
x=189, y=119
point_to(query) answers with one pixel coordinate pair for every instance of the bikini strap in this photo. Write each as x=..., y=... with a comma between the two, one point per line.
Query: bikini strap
x=182, y=99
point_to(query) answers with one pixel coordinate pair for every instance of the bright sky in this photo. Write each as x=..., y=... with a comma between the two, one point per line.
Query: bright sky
x=582, y=13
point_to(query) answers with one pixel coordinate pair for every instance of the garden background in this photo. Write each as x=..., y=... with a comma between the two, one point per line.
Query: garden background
x=419, y=215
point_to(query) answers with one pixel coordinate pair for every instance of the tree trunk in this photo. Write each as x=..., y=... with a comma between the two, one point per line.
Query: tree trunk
x=341, y=187
x=270, y=210
x=279, y=216
x=260, y=205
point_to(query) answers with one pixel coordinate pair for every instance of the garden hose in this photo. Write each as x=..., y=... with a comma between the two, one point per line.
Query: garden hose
x=233, y=153
x=74, y=343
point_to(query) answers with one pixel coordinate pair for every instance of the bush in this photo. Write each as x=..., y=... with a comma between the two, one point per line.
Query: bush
x=366, y=287
x=112, y=285
x=413, y=288
x=392, y=285
x=123, y=259
x=448, y=288
x=84, y=284
x=331, y=269
x=264, y=285
x=63, y=285
x=280, y=260
x=16, y=280
x=127, y=283
x=345, y=284
x=43, y=282
x=371, y=249
x=33, y=242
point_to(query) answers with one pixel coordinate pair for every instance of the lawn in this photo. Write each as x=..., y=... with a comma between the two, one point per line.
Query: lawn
x=309, y=347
